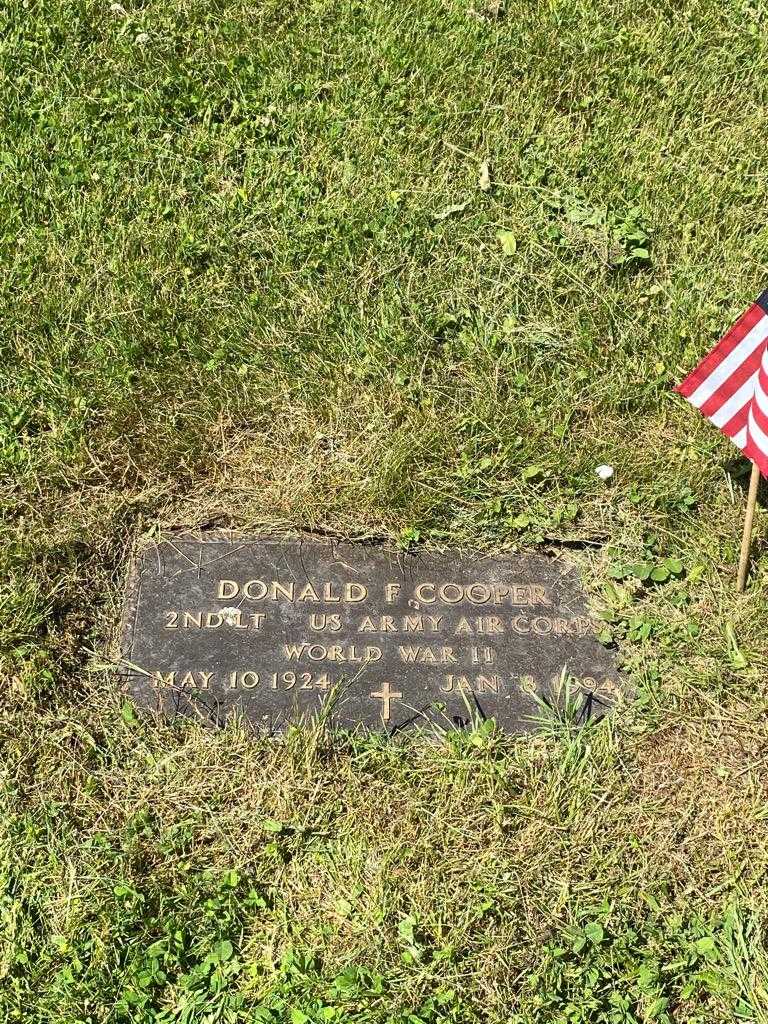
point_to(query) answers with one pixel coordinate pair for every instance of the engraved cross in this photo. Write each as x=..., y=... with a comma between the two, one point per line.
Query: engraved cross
x=385, y=695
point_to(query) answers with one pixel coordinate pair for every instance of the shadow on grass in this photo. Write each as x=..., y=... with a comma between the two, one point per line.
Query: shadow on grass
x=739, y=470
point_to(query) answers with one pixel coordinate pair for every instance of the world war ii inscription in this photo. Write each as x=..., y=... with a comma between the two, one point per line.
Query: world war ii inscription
x=285, y=629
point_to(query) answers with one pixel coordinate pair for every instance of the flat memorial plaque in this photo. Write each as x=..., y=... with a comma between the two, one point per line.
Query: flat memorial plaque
x=276, y=628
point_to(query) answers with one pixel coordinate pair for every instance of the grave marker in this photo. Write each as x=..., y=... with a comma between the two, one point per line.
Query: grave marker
x=215, y=622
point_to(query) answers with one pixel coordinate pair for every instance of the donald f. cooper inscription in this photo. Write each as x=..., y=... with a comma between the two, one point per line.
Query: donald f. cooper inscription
x=275, y=628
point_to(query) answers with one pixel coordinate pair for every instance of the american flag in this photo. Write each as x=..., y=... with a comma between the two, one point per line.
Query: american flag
x=730, y=385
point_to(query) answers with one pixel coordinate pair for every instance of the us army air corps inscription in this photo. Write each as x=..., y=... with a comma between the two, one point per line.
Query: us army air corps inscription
x=280, y=630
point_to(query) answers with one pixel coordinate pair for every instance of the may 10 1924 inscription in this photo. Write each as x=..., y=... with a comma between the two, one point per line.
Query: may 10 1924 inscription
x=279, y=627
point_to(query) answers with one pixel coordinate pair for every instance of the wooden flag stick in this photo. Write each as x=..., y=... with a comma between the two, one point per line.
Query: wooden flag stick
x=746, y=537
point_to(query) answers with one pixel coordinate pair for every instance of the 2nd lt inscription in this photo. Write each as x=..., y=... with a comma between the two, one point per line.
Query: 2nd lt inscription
x=465, y=626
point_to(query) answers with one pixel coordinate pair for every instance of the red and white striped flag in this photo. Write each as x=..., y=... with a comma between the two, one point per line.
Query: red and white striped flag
x=730, y=385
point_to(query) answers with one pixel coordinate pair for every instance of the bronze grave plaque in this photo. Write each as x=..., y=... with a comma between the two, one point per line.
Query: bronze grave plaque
x=283, y=629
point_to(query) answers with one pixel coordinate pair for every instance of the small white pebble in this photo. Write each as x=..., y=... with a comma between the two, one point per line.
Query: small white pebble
x=118, y=10
x=142, y=39
x=604, y=472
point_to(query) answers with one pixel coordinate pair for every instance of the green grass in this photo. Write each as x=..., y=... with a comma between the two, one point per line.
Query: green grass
x=250, y=279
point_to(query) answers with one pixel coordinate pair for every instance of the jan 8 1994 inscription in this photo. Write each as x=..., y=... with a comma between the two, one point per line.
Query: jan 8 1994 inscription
x=276, y=628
